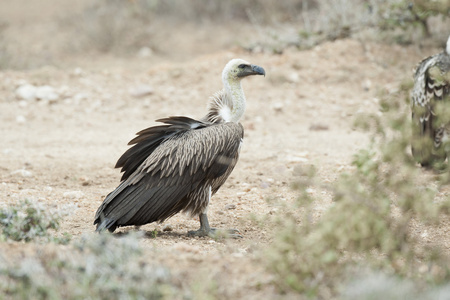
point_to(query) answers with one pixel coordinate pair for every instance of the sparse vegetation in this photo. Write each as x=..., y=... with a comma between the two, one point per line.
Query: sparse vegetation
x=369, y=224
x=30, y=221
x=95, y=267
x=402, y=14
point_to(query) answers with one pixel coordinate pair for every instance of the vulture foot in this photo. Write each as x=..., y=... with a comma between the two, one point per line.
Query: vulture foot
x=205, y=230
x=216, y=233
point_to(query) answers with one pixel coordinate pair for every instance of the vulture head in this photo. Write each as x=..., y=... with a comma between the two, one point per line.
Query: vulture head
x=237, y=68
x=228, y=105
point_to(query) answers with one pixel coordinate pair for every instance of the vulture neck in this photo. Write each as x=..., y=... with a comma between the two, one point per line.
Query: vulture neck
x=235, y=108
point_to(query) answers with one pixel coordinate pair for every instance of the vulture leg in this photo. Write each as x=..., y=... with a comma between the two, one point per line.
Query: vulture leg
x=206, y=230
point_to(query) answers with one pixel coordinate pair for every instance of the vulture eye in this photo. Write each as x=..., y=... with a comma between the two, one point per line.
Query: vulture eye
x=241, y=66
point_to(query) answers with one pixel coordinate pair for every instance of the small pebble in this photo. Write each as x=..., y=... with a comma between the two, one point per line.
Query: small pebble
x=141, y=91
x=310, y=190
x=26, y=92
x=46, y=93
x=85, y=180
x=278, y=106
x=293, y=77
x=78, y=72
x=23, y=173
x=145, y=52
x=366, y=85
x=167, y=227
x=318, y=127
x=273, y=211
x=73, y=195
x=230, y=206
x=296, y=159
x=21, y=119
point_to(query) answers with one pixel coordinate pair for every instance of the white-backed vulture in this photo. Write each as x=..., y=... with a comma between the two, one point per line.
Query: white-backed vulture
x=178, y=166
x=431, y=109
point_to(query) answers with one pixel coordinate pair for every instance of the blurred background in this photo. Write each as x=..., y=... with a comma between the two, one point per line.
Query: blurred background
x=36, y=33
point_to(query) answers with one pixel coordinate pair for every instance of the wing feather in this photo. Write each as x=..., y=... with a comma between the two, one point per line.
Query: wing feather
x=171, y=168
x=149, y=139
x=429, y=108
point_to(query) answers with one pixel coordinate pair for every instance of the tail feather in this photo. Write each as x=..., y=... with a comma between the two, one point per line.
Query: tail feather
x=106, y=223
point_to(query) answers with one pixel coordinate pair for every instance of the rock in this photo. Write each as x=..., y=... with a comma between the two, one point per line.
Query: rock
x=78, y=72
x=264, y=184
x=141, y=91
x=318, y=127
x=46, y=93
x=167, y=227
x=273, y=211
x=230, y=206
x=26, y=92
x=145, y=52
x=367, y=85
x=80, y=96
x=22, y=172
x=21, y=119
x=293, y=77
x=85, y=180
x=296, y=159
x=73, y=195
x=310, y=191
x=23, y=103
x=30, y=92
x=277, y=106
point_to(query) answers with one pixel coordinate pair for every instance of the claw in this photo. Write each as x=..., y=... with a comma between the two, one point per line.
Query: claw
x=205, y=230
x=216, y=233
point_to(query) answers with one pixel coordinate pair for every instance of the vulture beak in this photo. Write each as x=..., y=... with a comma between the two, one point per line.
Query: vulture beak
x=251, y=70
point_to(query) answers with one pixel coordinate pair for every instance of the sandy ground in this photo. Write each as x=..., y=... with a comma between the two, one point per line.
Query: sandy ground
x=301, y=113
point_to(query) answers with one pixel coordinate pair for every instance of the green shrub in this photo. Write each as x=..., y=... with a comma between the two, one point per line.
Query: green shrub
x=404, y=13
x=369, y=223
x=30, y=221
x=99, y=266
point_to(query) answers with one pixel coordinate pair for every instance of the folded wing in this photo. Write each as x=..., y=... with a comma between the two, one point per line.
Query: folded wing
x=171, y=168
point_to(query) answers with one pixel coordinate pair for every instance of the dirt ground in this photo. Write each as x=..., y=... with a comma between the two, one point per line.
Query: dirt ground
x=301, y=113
